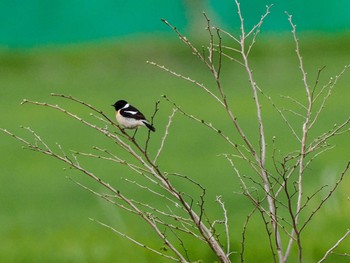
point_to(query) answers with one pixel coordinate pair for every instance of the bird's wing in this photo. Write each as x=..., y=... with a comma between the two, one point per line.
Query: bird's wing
x=132, y=112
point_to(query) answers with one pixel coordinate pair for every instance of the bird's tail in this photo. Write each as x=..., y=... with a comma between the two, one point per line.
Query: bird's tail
x=149, y=126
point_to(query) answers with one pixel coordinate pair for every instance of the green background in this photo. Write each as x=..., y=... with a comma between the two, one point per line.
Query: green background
x=97, y=52
x=37, y=22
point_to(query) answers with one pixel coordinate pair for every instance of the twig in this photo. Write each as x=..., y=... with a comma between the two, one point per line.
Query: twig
x=156, y=109
x=256, y=29
x=305, y=131
x=201, y=85
x=281, y=113
x=225, y=221
x=245, y=225
x=153, y=192
x=137, y=242
x=103, y=196
x=261, y=158
x=222, y=135
x=326, y=97
x=166, y=133
x=331, y=192
x=334, y=247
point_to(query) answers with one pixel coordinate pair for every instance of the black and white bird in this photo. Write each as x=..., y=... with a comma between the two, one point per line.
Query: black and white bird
x=130, y=117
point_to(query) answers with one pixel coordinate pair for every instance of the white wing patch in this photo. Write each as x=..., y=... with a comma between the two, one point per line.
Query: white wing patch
x=131, y=112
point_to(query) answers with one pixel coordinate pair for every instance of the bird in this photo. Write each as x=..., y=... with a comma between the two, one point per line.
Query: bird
x=130, y=117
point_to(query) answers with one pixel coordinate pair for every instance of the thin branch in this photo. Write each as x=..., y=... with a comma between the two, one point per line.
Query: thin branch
x=153, y=192
x=326, y=97
x=335, y=246
x=281, y=113
x=256, y=29
x=137, y=242
x=304, y=136
x=156, y=109
x=317, y=80
x=103, y=196
x=166, y=133
x=295, y=101
x=233, y=37
x=322, y=139
x=225, y=221
x=331, y=192
x=226, y=138
x=201, y=85
x=245, y=226
x=232, y=59
x=187, y=42
x=261, y=158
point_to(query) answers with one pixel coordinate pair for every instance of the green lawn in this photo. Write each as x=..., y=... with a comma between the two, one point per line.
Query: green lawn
x=44, y=217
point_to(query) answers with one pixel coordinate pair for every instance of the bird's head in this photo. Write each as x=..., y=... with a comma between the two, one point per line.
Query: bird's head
x=119, y=104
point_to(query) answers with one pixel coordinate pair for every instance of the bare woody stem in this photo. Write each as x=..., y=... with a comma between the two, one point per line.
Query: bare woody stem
x=150, y=166
x=262, y=158
x=65, y=159
x=305, y=129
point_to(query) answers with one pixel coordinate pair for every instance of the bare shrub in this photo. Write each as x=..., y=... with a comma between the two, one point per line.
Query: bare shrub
x=274, y=185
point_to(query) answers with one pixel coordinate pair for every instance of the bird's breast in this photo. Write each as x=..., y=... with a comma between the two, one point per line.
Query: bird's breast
x=128, y=123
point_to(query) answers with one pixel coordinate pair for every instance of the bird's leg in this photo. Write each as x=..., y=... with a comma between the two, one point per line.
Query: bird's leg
x=133, y=137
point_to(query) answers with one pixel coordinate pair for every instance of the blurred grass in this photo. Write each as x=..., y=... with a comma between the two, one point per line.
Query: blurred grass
x=44, y=216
